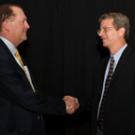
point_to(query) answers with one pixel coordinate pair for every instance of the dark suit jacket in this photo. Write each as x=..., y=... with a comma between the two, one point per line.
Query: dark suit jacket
x=20, y=107
x=119, y=115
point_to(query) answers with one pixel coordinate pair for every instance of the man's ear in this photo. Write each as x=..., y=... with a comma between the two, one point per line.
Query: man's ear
x=5, y=25
x=122, y=31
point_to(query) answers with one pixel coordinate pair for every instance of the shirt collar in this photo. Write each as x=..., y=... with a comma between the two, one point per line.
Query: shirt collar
x=117, y=55
x=10, y=45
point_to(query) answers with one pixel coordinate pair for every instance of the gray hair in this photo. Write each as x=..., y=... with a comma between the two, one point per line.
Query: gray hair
x=119, y=21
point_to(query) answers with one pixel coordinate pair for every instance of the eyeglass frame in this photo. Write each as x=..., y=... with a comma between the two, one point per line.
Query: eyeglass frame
x=104, y=29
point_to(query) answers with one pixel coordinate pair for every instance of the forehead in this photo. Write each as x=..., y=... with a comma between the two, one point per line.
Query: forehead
x=18, y=11
x=106, y=22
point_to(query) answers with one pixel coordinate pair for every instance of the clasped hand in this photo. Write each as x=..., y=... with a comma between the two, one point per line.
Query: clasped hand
x=72, y=104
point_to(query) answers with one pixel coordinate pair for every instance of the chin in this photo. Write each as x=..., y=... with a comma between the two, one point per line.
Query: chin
x=25, y=38
x=105, y=45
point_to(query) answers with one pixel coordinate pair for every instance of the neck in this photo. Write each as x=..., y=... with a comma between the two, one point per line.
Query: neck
x=9, y=38
x=115, y=48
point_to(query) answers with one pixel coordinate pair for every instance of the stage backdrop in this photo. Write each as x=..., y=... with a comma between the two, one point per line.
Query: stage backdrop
x=62, y=49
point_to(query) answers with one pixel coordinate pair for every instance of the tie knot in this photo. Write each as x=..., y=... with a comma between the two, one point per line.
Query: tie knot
x=112, y=61
x=112, y=58
x=19, y=58
x=17, y=53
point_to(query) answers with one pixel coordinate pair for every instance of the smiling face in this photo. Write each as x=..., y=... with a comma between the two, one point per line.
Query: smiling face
x=108, y=33
x=112, y=37
x=16, y=26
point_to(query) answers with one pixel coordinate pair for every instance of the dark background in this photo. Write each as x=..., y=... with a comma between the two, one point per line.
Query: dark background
x=62, y=49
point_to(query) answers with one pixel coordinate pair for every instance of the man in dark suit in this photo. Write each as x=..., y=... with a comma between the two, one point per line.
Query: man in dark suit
x=114, y=97
x=21, y=108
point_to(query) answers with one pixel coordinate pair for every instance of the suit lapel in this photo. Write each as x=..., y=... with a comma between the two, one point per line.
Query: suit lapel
x=11, y=58
x=122, y=62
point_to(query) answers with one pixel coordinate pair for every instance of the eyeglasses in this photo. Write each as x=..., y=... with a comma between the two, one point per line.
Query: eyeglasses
x=104, y=29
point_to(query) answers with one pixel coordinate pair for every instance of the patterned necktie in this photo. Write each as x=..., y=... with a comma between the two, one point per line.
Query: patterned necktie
x=100, y=120
x=19, y=58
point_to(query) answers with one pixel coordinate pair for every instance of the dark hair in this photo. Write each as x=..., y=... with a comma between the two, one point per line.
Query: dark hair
x=119, y=20
x=6, y=12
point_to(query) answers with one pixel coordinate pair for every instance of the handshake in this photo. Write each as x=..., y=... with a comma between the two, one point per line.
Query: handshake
x=71, y=103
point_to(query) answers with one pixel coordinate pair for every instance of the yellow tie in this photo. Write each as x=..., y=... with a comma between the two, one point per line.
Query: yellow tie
x=24, y=67
x=17, y=55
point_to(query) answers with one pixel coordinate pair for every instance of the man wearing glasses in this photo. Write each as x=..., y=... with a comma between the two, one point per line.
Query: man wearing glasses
x=114, y=89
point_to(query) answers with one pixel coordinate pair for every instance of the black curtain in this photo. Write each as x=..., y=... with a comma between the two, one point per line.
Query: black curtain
x=62, y=49
x=61, y=53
